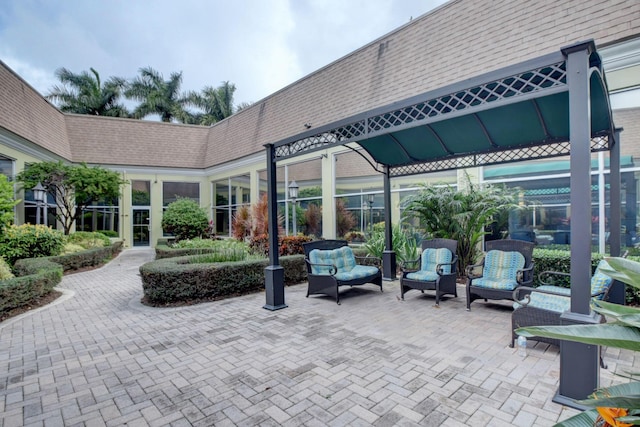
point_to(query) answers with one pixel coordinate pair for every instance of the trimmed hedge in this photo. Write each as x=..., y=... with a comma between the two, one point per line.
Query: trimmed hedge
x=165, y=251
x=183, y=279
x=36, y=278
x=87, y=258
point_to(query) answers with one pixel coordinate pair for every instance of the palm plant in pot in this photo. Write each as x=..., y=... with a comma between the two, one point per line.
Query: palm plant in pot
x=618, y=405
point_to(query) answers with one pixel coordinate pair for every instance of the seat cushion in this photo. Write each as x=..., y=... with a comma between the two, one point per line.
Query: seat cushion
x=557, y=303
x=600, y=282
x=501, y=284
x=424, y=276
x=431, y=257
x=502, y=265
x=357, y=272
x=341, y=257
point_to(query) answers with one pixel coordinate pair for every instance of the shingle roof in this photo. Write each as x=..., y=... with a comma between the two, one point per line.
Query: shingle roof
x=456, y=41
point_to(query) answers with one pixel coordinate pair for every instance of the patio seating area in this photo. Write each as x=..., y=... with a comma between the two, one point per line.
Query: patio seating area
x=99, y=357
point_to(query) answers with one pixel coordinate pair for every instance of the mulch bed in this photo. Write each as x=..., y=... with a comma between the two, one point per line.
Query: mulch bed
x=33, y=304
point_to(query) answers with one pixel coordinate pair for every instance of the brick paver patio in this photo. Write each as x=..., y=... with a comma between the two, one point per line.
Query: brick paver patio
x=98, y=357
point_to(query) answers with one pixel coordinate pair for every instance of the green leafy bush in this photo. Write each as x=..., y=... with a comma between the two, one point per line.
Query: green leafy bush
x=5, y=270
x=36, y=278
x=71, y=248
x=30, y=241
x=108, y=233
x=186, y=279
x=88, y=239
x=287, y=245
x=185, y=219
x=88, y=257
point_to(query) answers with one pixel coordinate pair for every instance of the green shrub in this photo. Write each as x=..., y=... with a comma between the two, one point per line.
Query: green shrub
x=88, y=257
x=108, y=233
x=5, y=270
x=71, y=248
x=184, y=279
x=36, y=278
x=287, y=245
x=185, y=219
x=88, y=239
x=30, y=241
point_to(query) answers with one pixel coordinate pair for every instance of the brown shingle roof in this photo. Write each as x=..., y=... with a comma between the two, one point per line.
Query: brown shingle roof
x=108, y=140
x=458, y=40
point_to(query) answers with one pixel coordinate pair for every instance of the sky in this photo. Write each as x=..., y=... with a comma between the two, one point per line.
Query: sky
x=260, y=46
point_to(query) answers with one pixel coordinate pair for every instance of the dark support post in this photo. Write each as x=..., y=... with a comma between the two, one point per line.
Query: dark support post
x=579, y=368
x=617, y=291
x=388, y=256
x=274, y=273
x=615, y=215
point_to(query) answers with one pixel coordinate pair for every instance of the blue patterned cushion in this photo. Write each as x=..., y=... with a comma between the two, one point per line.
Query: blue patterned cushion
x=342, y=258
x=502, y=265
x=425, y=276
x=600, y=282
x=431, y=257
x=500, y=270
x=502, y=284
x=558, y=303
x=357, y=272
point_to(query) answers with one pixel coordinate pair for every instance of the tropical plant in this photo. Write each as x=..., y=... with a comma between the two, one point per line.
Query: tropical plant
x=185, y=219
x=7, y=202
x=73, y=187
x=344, y=218
x=618, y=405
x=84, y=93
x=241, y=225
x=313, y=219
x=404, y=244
x=461, y=214
x=158, y=96
x=217, y=103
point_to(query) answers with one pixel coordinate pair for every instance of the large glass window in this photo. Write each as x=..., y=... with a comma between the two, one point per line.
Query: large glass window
x=229, y=195
x=140, y=193
x=172, y=191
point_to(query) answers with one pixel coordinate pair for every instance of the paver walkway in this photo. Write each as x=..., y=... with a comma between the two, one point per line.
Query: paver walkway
x=98, y=357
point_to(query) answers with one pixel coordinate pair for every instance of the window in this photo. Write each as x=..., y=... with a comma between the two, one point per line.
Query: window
x=172, y=191
x=229, y=195
x=140, y=193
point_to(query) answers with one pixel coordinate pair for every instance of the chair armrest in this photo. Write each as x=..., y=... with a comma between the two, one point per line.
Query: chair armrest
x=334, y=268
x=469, y=270
x=544, y=276
x=453, y=262
x=521, y=275
x=404, y=268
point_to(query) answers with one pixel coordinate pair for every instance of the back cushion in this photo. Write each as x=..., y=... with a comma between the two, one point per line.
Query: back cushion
x=342, y=258
x=431, y=257
x=502, y=265
x=600, y=282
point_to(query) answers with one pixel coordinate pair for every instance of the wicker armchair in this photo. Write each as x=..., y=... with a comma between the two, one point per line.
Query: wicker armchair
x=502, y=271
x=331, y=264
x=437, y=269
x=543, y=306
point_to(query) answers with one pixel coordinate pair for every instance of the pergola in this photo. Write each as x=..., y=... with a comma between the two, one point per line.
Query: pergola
x=554, y=105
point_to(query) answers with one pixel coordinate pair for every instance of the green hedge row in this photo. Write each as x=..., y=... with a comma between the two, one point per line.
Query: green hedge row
x=36, y=277
x=165, y=251
x=87, y=258
x=183, y=279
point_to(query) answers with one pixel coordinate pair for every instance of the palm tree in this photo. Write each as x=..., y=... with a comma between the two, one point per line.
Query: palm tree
x=217, y=103
x=84, y=93
x=158, y=96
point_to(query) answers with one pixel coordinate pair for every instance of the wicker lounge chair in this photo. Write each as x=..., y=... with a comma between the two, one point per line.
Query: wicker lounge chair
x=331, y=264
x=543, y=306
x=507, y=265
x=437, y=269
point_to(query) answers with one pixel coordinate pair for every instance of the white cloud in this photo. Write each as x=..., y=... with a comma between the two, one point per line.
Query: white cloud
x=261, y=46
